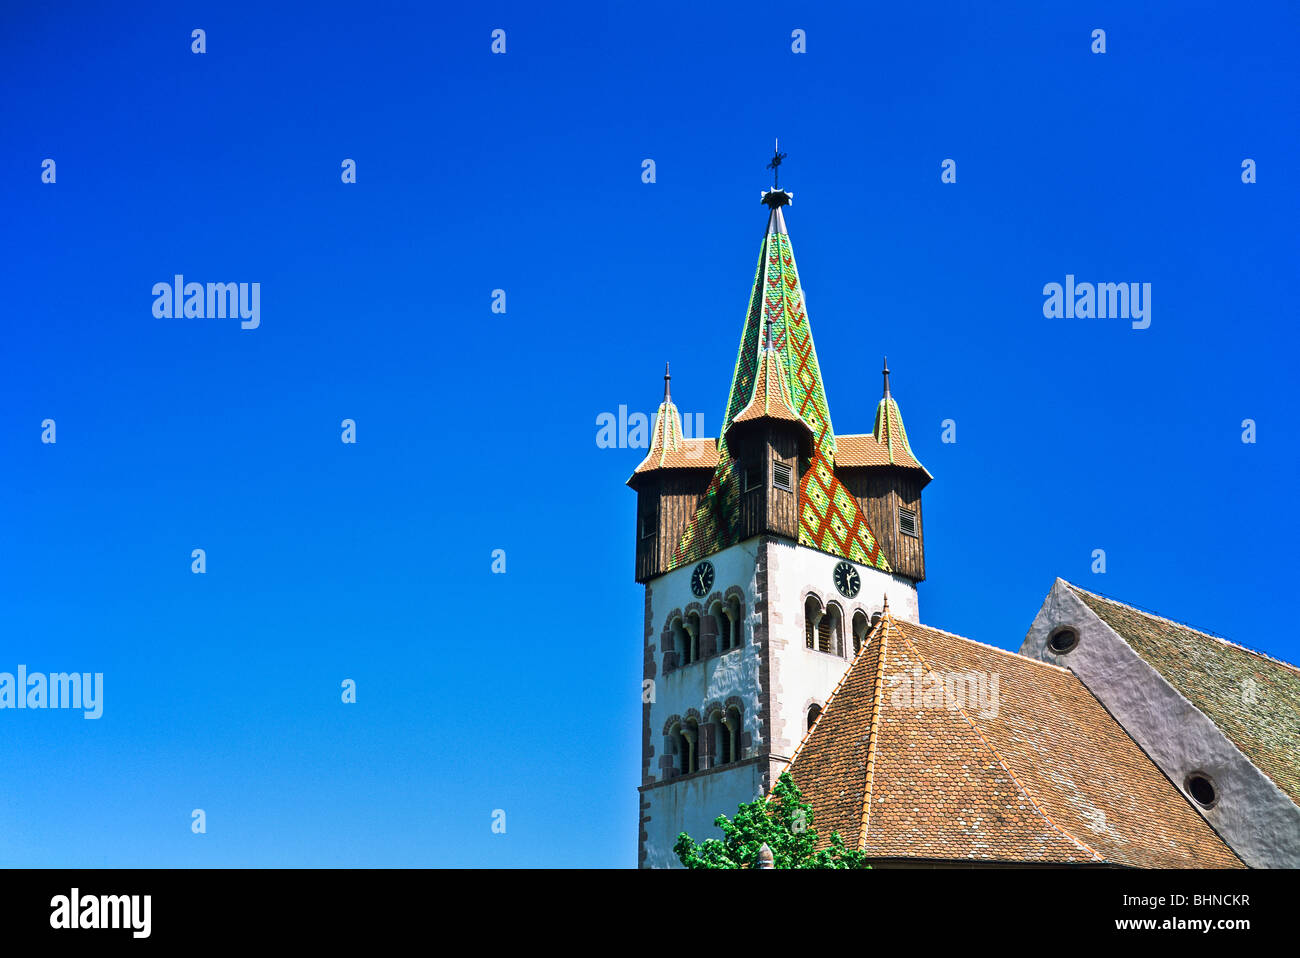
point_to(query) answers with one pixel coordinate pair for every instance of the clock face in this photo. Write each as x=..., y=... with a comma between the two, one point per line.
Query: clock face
x=847, y=580
x=702, y=579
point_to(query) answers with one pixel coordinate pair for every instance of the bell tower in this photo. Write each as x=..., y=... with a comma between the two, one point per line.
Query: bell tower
x=761, y=561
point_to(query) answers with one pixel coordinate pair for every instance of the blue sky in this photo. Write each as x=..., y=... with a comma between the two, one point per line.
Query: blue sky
x=476, y=431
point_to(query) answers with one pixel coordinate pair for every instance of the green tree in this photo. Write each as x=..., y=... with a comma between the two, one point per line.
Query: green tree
x=784, y=822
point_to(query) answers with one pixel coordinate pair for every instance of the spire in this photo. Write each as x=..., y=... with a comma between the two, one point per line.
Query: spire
x=888, y=431
x=786, y=374
x=669, y=447
x=776, y=310
x=667, y=431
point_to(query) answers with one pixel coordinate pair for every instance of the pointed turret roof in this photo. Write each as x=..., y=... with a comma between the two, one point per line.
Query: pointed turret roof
x=771, y=397
x=669, y=448
x=890, y=435
x=784, y=372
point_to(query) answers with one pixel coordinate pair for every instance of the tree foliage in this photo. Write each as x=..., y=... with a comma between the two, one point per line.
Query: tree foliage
x=784, y=821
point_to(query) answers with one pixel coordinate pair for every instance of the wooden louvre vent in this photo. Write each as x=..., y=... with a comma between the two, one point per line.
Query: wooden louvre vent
x=782, y=476
x=906, y=521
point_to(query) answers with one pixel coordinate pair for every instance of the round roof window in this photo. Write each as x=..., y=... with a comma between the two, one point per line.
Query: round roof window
x=1201, y=788
x=1063, y=640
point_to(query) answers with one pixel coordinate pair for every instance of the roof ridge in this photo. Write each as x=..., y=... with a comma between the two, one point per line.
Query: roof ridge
x=873, y=729
x=966, y=638
x=1182, y=625
x=997, y=755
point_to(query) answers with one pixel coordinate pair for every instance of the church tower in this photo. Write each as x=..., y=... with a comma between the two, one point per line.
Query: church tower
x=765, y=555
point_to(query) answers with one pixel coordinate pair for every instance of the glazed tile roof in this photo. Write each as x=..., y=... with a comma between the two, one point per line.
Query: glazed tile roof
x=771, y=399
x=776, y=308
x=830, y=518
x=891, y=437
x=1252, y=698
x=1038, y=772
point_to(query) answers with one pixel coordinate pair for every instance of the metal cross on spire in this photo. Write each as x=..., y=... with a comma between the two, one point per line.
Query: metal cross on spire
x=775, y=165
x=776, y=197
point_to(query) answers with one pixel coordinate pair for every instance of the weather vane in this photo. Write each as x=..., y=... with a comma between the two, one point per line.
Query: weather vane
x=775, y=165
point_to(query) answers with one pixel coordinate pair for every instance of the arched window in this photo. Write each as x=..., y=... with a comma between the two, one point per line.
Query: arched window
x=812, y=616
x=675, y=746
x=731, y=729
x=830, y=631
x=861, y=626
x=692, y=626
x=823, y=629
x=712, y=752
x=814, y=713
x=681, y=643
x=689, y=756
x=723, y=639
x=732, y=625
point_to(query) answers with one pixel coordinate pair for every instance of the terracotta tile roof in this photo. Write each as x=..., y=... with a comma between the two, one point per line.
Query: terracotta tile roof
x=692, y=454
x=1252, y=698
x=1038, y=772
x=854, y=451
x=669, y=449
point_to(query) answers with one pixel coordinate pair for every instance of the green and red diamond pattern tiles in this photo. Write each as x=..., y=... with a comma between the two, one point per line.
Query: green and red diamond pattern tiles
x=713, y=527
x=830, y=518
